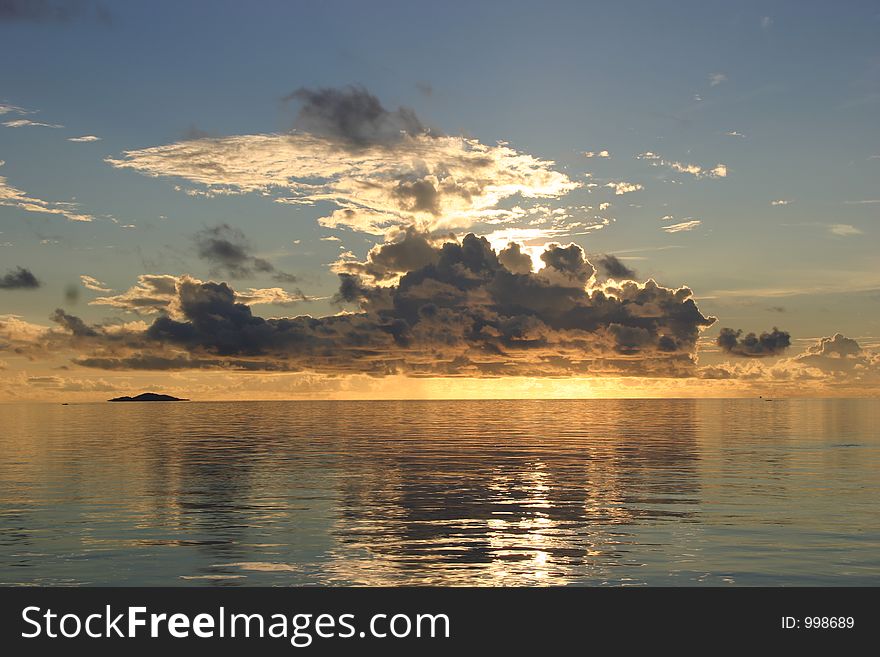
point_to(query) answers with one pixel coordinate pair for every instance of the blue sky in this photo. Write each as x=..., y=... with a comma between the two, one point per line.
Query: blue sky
x=784, y=94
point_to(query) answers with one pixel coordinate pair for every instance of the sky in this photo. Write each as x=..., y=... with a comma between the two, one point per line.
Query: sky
x=391, y=200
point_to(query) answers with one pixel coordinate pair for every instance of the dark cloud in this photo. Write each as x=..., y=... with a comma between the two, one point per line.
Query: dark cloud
x=73, y=324
x=566, y=266
x=228, y=251
x=614, y=268
x=407, y=251
x=51, y=11
x=19, y=279
x=757, y=346
x=418, y=195
x=71, y=294
x=514, y=259
x=195, y=132
x=459, y=311
x=352, y=115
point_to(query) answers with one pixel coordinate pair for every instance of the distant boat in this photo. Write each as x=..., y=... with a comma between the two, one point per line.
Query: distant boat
x=147, y=397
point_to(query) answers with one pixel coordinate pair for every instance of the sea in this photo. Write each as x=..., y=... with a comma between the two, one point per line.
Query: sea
x=678, y=492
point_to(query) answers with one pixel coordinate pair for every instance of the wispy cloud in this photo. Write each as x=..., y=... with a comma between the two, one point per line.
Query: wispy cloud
x=717, y=78
x=84, y=139
x=780, y=201
x=695, y=170
x=13, y=197
x=683, y=226
x=597, y=154
x=381, y=169
x=27, y=123
x=622, y=187
x=6, y=108
x=843, y=230
x=92, y=283
x=718, y=171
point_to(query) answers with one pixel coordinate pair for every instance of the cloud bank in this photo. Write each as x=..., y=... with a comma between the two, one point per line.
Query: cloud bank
x=457, y=311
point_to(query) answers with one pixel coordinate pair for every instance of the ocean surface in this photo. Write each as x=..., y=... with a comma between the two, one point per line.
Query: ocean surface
x=597, y=492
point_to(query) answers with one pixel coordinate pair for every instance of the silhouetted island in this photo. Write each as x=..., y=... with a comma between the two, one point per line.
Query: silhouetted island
x=147, y=397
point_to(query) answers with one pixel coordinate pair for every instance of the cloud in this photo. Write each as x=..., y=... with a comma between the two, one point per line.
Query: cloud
x=158, y=293
x=74, y=325
x=780, y=201
x=407, y=251
x=6, y=108
x=734, y=133
x=12, y=197
x=515, y=260
x=19, y=279
x=622, y=187
x=766, y=22
x=91, y=283
x=832, y=362
x=683, y=226
x=256, y=296
x=838, y=355
x=597, y=154
x=766, y=344
x=27, y=123
x=228, y=251
x=614, y=268
x=379, y=179
x=462, y=314
x=843, y=230
x=152, y=293
x=718, y=171
x=20, y=336
x=68, y=384
x=84, y=139
x=353, y=116
x=717, y=78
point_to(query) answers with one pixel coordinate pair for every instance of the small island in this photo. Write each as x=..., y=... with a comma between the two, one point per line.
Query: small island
x=147, y=397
